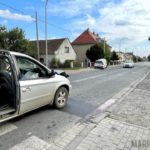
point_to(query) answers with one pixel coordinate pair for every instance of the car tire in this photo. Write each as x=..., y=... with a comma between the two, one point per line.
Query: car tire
x=61, y=97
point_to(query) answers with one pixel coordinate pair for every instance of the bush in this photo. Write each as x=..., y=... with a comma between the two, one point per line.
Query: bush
x=55, y=63
x=67, y=64
x=77, y=64
x=148, y=57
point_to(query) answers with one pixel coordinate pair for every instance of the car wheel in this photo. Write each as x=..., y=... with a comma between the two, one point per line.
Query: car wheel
x=61, y=97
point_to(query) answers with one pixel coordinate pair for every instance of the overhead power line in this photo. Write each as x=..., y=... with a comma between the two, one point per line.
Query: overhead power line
x=42, y=21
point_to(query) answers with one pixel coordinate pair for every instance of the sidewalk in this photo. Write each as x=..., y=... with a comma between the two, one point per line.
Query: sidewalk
x=125, y=125
x=78, y=71
x=85, y=69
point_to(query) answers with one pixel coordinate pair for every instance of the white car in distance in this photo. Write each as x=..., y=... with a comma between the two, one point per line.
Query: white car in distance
x=100, y=63
x=128, y=64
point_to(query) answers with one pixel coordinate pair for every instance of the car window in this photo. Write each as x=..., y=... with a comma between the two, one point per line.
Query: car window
x=5, y=65
x=30, y=69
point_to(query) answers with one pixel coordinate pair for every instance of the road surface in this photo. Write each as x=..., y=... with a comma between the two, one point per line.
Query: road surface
x=90, y=90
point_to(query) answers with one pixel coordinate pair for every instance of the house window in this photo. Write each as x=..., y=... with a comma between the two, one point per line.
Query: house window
x=66, y=49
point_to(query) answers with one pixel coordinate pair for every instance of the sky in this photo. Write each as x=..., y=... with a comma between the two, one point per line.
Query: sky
x=125, y=24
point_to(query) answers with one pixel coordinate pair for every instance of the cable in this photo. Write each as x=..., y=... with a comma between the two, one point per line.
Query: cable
x=29, y=24
x=50, y=24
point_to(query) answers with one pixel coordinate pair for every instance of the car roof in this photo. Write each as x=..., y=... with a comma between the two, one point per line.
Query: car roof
x=102, y=59
x=15, y=53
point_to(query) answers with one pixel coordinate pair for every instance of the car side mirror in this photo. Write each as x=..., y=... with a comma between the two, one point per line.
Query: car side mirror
x=52, y=73
x=64, y=74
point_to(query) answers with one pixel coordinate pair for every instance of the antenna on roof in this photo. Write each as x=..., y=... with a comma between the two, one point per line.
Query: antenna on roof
x=88, y=29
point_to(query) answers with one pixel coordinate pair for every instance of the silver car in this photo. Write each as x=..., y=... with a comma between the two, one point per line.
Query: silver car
x=26, y=84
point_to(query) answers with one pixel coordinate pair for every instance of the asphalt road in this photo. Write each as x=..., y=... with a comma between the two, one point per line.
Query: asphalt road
x=90, y=89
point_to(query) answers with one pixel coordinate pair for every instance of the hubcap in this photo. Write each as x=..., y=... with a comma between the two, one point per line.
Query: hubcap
x=61, y=98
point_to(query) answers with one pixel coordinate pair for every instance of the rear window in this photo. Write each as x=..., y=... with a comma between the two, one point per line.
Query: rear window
x=99, y=62
x=129, y=61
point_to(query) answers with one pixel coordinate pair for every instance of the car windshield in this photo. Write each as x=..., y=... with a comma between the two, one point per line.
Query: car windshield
x=128, y=61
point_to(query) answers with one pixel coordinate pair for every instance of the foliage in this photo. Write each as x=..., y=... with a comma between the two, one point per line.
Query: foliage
x=14, y=40
x=139, y=59
x=95, y=52
x=77, y=63
x=67, y=64
x=55, y=63
x=114, y=56
x=135, y=58
x=148, y=57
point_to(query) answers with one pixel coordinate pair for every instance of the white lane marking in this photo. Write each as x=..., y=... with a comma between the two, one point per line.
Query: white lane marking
x=88, y=78
x=31, y=143
x=93, y=77
x=6, y=127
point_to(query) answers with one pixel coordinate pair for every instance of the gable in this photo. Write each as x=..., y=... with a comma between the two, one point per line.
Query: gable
x=66, y=44
x=52, y=45
x=86, y=38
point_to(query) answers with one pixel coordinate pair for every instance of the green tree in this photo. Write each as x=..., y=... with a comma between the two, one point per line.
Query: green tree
x=135, y=58
x=148, y=57
x=14, y=40
x=114, y=56
x=95, y=52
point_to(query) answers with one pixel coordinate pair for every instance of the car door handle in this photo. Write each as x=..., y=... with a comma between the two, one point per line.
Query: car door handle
x=25, y=89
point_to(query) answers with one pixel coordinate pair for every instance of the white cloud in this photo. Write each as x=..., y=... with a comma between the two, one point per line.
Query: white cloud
x=128, y=20
x=6, y=14
x=73, y=8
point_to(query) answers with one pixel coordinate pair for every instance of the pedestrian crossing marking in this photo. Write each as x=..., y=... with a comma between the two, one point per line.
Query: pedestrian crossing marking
x=6, y=128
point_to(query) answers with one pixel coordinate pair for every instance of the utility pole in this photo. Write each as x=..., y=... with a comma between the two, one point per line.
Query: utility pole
x=120, y=42
x=104, y=45
x=37, y=37
x=46, y=33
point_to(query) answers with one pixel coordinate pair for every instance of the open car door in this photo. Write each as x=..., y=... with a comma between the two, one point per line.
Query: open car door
x=9, y=86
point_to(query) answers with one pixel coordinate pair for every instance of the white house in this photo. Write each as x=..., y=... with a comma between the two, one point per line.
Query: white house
x=58, y=48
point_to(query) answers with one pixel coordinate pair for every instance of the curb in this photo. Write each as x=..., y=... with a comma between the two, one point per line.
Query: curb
x=105, y=109
x=75, y=135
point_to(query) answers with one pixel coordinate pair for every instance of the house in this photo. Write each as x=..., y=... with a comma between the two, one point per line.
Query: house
x=84, y=42
x=121, y=56
x=58, y=48
x=129, y=55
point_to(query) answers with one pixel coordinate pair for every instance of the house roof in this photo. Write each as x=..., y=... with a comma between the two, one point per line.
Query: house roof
x=86, y=37
x=52, y=45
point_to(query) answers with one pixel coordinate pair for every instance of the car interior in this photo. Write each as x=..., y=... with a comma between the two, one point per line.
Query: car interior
x=7, y=87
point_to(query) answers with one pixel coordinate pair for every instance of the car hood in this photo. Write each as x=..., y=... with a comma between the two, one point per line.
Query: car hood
x=61, y=72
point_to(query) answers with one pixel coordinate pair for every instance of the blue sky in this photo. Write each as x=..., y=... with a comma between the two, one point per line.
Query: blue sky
x=124, y=23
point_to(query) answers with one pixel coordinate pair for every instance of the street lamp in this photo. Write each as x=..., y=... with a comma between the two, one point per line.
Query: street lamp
x=104, y=45
x=46, y=32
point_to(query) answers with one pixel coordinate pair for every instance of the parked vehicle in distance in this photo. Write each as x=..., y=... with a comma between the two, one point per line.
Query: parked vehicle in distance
x=26, y=84
x=128, y=64
x=100, y=63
